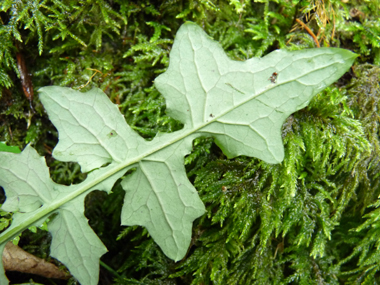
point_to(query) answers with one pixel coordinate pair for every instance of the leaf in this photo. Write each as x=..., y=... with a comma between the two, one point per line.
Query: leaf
x=241, y=104
x=4, y=147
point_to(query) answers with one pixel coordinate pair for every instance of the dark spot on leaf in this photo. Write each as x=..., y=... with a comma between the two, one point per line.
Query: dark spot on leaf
x=273, y=77
x=112, y=133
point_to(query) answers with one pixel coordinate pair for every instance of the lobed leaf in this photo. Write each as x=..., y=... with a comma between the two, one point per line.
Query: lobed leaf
x=241, y=104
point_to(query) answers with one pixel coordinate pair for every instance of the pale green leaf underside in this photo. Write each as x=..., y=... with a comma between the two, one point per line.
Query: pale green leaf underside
x=29, y=189
x=235, y=102
x=91, y=129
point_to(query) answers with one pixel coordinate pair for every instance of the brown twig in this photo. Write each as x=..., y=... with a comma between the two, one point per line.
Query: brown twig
x=309, y=31
x=26, y=81
x=16, y=259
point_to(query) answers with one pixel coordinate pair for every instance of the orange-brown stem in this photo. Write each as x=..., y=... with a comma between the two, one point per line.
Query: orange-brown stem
x=309, y=31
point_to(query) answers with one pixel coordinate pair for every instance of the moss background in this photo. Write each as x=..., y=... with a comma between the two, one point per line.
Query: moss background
x=313, y=219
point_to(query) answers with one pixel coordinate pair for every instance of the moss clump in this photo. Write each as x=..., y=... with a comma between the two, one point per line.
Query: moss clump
x=313, y=219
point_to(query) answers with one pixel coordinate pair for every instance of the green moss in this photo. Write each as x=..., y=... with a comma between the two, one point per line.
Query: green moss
x=310, y=220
